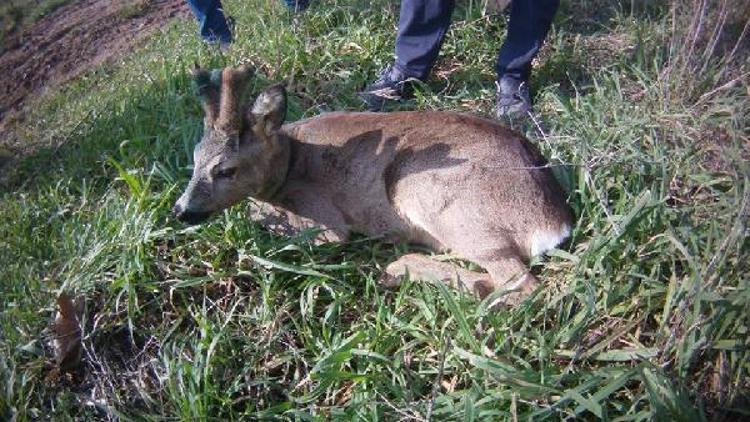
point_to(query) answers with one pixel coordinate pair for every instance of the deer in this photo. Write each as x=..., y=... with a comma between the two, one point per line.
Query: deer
x=455, y=183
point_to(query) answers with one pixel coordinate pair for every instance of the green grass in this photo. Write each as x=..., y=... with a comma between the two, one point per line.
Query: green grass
x=643, y=314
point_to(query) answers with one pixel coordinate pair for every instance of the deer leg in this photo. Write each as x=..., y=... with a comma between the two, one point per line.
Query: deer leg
x=303, y=209
x=505, y=274
x=422, y=267
x=510, y=273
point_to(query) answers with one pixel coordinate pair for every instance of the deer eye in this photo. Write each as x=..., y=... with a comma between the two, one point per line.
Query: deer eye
x=226, y=172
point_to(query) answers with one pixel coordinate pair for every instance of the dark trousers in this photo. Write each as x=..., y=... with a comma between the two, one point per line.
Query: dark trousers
x=423, y=23
x=213, y=24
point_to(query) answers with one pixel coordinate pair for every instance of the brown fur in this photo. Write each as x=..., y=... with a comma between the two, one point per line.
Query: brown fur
x=232, y=86
x=454, y=182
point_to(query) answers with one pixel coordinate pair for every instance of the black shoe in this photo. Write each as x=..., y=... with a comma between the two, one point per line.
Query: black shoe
x=513, y=98
x=391, y=85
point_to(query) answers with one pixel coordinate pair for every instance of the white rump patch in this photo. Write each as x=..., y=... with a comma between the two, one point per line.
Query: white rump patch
x=542, y=241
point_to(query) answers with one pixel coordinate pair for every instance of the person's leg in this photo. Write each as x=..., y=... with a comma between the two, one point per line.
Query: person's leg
x=529, y=23
x=213, y=24
x=422, y=26
x=530, y=20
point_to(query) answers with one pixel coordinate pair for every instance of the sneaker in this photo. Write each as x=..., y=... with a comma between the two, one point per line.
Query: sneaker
x=513, y=98
x=391, y=85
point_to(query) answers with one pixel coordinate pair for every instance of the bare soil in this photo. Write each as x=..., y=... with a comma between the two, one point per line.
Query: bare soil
x=66, y=43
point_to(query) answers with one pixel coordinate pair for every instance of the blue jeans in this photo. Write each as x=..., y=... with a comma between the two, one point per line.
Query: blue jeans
x=213, y=24
x=297, y=5
x=423, y=23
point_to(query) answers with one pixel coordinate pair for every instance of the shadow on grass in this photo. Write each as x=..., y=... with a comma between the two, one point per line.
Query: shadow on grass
x=155, y=125
x=589, y=17
x=587, y=40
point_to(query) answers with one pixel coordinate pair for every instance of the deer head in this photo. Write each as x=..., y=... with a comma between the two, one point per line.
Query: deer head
x=242, y=152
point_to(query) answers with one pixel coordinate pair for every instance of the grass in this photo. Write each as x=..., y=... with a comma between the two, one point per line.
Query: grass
x=644, y=313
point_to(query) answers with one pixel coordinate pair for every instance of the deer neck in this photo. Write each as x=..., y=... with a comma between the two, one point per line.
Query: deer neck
x=276, y=174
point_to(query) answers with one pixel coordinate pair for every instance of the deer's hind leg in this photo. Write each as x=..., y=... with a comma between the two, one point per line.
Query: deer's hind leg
x=422, y=267
x=509, y=272
x=506, y=273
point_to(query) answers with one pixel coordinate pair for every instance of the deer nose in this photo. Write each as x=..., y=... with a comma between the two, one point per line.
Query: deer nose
x=190, y=217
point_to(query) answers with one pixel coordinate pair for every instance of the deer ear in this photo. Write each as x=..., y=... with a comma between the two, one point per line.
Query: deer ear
x=269, y=110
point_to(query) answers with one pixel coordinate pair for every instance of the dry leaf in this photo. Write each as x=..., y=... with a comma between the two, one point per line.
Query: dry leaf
x=68, y=332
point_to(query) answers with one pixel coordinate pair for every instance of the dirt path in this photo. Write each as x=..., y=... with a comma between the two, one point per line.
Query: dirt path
x=69, y=41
